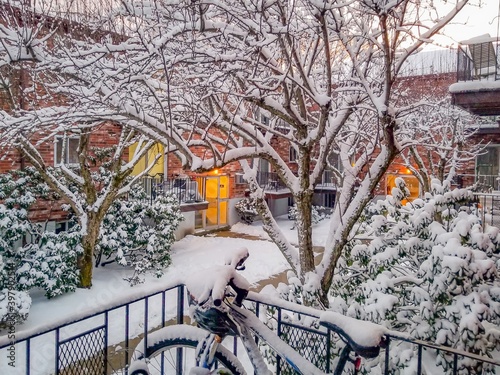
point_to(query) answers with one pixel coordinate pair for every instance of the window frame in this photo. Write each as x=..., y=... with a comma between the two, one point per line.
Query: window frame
x=58, y=142
x=292, y=154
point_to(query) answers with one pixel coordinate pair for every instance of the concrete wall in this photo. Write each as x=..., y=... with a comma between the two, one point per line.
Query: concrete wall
x=232, y=215
x=186, y=227
x=279, y=206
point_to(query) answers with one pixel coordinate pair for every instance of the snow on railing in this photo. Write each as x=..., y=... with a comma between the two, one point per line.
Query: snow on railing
x=101, y=340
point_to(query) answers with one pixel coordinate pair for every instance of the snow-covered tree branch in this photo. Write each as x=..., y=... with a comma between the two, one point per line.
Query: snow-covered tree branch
x=222, y=81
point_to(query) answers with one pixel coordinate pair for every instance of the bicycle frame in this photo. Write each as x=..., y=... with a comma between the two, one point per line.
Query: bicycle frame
x=248, y=324
x=250, y=327
x=221, y=316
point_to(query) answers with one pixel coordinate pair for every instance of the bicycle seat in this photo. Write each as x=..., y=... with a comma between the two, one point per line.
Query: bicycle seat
x=365, y=338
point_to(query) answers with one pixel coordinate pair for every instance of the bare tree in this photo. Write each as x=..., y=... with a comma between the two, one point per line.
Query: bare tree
x=439, y=141
x=194, y=75
x=31, y=121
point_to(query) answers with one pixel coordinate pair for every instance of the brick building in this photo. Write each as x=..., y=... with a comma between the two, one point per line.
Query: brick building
x=208, y=199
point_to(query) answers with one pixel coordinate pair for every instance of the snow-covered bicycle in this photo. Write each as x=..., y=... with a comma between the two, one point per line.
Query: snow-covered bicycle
x=216, y=304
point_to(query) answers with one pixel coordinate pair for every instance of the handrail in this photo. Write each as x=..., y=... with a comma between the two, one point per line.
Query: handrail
x=22, y=335
x=284, y=327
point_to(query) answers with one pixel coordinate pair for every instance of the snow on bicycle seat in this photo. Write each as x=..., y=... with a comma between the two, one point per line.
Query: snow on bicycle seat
x=365, y=338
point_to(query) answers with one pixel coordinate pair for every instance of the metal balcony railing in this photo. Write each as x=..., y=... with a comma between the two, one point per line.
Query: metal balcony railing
x=478, y=60
x=483, y=183
x=270, y=181
x=185, y=189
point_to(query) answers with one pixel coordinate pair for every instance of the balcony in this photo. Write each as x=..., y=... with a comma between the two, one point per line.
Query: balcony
x=478, y=76
x=189, y=192
x=272, y=185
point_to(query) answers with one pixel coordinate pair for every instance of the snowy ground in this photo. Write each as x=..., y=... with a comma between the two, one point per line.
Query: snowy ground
x=190, y=255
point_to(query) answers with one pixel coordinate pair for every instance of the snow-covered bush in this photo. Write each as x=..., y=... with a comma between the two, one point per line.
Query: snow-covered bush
x=14, y=307
x=430, y=271
x=247, y=210
x=139, y=234
x=30, y=256
x=316, y=213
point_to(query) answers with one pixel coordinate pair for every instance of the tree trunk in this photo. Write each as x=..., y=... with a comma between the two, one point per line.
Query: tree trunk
x=304, y=230
x=271, y=228
x=89, y=241
x=86, y=264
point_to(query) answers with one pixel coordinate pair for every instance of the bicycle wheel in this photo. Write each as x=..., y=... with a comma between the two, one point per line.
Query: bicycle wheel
x=162, y=351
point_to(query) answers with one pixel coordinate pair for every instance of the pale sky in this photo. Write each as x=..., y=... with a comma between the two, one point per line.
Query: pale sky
x=473, y=21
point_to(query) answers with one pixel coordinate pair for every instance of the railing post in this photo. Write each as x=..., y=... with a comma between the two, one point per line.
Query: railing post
x=146, y=313
x=180, y=304
x=163, y=312
x=257, y=312
x=28, y=355
x=278, y=358
x=328, y=350
x=387, y=356
x=419, y=364
x=57, y=351
x=127, y=334
x=106, y=321
x=180, y=320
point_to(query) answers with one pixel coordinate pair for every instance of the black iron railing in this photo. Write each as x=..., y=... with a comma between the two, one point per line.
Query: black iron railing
x=102, y=342
x=270, y=181
x=316, y=346
x=483, y=183
x=185, y=189
x=478, y=61
x=98, y=343
x=487, y=196
x=488, y=208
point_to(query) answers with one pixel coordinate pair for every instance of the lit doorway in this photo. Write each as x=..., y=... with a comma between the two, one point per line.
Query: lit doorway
x=216, y=194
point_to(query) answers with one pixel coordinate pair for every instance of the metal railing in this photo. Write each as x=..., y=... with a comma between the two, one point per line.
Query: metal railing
x=483, y=183
x=101, y=342
x=270, y=181
x=185, y=189
x=478, y=61
x=90, y=342
x=488, y=208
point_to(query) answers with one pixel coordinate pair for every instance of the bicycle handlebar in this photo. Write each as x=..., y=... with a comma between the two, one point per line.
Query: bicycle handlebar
x=241, y=294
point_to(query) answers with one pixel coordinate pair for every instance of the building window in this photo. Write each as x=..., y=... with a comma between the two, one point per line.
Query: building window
x=488, y=167
x=63, y=226
x=293, y=154
x=264, y=166
x=238, y=179
x=66, y=150
x=329, y=200
x=327, y=179
x=335, y=161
